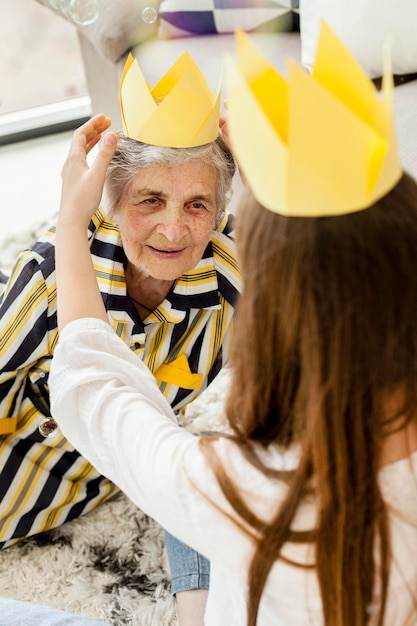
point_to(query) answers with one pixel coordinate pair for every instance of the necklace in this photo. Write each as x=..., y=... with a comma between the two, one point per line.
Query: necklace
x=140, y=304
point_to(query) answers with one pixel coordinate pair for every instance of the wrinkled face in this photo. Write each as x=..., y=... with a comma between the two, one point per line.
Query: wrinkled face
x=167, y=217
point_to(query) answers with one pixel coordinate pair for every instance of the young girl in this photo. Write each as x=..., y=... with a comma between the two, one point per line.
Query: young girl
x=308, y=511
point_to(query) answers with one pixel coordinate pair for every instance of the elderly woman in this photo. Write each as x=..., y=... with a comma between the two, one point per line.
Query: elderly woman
x=165, y=263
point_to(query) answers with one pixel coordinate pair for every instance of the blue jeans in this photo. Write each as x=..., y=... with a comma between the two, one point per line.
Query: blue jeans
x=16, y=613
x=189, y=570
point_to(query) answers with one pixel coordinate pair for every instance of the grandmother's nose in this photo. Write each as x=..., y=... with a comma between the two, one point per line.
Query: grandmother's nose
x=173, y=225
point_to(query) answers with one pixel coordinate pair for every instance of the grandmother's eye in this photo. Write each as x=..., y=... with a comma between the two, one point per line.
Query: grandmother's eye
x=151, y=200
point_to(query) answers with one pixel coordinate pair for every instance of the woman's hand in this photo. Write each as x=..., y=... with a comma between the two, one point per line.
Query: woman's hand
x=82, y=184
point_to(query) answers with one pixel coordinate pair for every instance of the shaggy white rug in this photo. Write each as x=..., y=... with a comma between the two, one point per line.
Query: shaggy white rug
x=109, y=564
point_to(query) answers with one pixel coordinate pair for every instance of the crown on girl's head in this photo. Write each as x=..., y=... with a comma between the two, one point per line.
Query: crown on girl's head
x=179, y=112
x=312, y=145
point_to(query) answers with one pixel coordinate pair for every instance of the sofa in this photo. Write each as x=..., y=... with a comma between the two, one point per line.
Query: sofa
x=157, y=32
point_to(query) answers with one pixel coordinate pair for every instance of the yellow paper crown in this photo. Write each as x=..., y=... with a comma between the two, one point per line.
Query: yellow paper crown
x=179, y=112
x=315, y=145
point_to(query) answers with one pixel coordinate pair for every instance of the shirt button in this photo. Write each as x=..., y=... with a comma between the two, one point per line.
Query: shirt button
x=48, y=427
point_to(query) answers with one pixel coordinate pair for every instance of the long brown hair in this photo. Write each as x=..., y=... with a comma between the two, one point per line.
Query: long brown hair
x=326, y=326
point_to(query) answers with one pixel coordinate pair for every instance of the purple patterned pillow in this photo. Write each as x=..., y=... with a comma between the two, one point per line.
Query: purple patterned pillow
x=179, y=18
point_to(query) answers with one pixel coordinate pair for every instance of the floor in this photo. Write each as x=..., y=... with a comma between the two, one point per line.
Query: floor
x=30, y=181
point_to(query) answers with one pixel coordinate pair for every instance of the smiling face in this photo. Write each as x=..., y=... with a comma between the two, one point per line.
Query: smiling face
x=166, y=218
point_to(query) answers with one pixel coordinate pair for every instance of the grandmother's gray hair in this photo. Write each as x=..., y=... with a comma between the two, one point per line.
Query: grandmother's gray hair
x=132, y=155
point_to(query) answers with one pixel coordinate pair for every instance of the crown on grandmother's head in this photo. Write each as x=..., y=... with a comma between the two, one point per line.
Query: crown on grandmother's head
x=179, y=112
x=313, y=145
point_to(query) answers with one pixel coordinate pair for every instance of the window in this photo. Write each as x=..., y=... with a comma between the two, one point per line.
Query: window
x=43, y=86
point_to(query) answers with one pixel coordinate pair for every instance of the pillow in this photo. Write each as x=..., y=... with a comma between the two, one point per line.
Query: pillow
x=364, y=26
x=119, y=26
x=179, y=18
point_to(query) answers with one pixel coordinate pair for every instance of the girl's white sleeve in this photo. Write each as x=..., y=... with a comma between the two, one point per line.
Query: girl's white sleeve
x=108, y=405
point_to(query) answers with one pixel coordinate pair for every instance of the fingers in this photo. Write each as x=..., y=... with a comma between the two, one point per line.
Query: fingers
x=93, y=130
x=105, y=154
x=89, y=134
x=85, y=138
x=90, y=145
x=82, y=183
x=95, y=126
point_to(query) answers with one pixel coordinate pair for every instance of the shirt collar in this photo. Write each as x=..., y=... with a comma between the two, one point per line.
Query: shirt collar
x=196, y=289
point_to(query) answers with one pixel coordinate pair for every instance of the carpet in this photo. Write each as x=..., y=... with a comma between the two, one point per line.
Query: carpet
x=110, y=564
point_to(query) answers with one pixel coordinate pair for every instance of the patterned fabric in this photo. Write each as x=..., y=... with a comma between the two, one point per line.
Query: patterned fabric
x=45, y=482
x=185, y=17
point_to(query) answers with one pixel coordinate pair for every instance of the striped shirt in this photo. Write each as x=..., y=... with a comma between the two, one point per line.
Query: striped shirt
x=184, y=342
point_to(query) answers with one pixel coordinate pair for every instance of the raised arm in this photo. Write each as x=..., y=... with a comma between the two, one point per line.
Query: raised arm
x=82, y=188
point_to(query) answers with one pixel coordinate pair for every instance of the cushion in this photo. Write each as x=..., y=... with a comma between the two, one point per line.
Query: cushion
x=179, y=18
x=364, y=26
x=119, y=26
